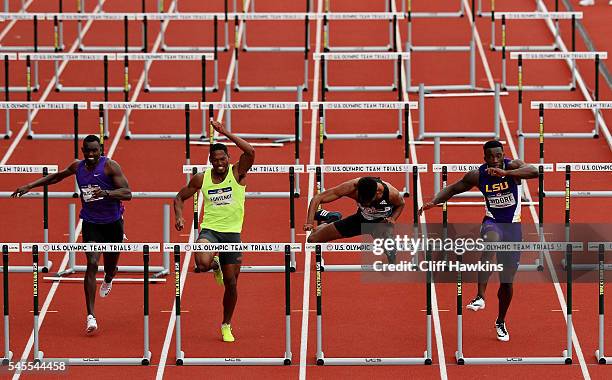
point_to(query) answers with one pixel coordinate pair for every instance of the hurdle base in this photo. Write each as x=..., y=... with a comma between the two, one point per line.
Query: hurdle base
x=192, y=49
x=537, y=266
x=35, y=88
x=149, y=88
x=54, y=136
x=290, y=49
x=120, y=49
x=27, y=268
x=376, y=361
x=357, y=48
x=99, y=361
x=552, y=47
x=234, y=361
x=268, y=88
x=601, y=359
x=564, y=359
x=61, y=88
x=144, y=136
x=120, y=268
x=585, y=267
x=423, y=48
x=579, y=194
x=568, y=87
x=560, y=135
x=7, y=358
x=359, y=136
x=180, y=358
x=451, y=87
x=360, y=88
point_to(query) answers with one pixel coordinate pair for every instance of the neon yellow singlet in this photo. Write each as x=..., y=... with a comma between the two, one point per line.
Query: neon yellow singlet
x=223, y=203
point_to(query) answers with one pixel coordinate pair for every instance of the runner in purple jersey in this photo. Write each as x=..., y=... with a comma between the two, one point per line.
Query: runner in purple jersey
x=103, y=187
x=499, y=180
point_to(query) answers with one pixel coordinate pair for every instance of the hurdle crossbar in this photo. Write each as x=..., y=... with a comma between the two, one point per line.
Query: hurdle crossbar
x=323, y=360
x=495, y=134
x=287, y=248
x=395, y=57
x=291, y=170
x=601, y=248
x=7, y=355
x=149, y=58
x=44, y=170
x=594, y=106
x=145, y=248
x=566, y=356
x=539, y=54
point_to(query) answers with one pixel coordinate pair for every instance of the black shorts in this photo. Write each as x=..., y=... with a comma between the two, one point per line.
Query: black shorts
x=356, y=225
x=103, y=233
x=225, y=258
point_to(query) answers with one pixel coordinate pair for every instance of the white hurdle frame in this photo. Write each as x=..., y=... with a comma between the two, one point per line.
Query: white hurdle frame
x=526, y=51
x=426, y=359
x=150, y=58
x=443, y=14
x=541, y=105
x=29, y=169
x=490, y=135
x=391, y=17
x=566, y=355
x=601, y=248
x=287, y=248
x=237, y=47
x=397, y=58
x=193, y=16
x=38, y=355
x=7, y=248
x=103, y=57
x=572, y=56
x=58, y=31
x=29, y=87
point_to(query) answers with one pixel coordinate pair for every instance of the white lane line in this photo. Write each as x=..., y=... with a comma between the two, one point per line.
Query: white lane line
x=311, y=160
x=555, y=280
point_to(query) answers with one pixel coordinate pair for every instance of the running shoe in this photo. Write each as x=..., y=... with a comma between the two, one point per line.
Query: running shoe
x=502, y=332
x=476, y=304
x=217, y=272
x=226, y=333
x=92, y=325
x=324, y=216
x=105, y=288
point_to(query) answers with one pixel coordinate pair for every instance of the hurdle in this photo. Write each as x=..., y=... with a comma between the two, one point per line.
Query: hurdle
x=293, y=193
x=228, y=106
x=568, y=168
x=128, y=107
x=72, y=267
x=35, y=17
x=104, y=57
x=391, y=17
x=445, y=14
x=287, y=248
x=601, y=248
x=195, y=16
x=323, y=58
x=6, y=248
x=471, y=49
x=29, y=86
x=29, y=169
x=269, y=16
x=276, y=16
x=81, y=16
x=320, y=356
x=490, y=135
x=149, y=58
x=556, y=15
x=594, y=106
x=568, y=56
x=566, y=356
x=527, y=54
x=145, y=248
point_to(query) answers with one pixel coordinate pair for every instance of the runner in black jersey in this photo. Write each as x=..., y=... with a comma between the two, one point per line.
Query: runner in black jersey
x=379, y=204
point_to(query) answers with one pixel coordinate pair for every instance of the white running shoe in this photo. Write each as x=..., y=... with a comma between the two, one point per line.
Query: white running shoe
x=92, y=325
x=476, y=304
x=587, y=2
x=502, y=332
x=105, y=288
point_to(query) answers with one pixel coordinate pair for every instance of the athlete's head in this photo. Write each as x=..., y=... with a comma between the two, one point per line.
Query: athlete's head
x=493, y=153
x=367, y=187
x=219, y=158
x=91, y=150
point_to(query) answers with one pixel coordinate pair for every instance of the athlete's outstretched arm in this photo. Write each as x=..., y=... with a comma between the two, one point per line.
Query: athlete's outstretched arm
x=48, y=180
x=195, y=184
x=247, y=158
x=328, y=196
x=469, y=180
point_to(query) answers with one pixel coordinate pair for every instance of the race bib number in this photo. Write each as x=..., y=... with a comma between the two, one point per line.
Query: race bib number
x=501, y=200
x=88, y=192
x=220, y=197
